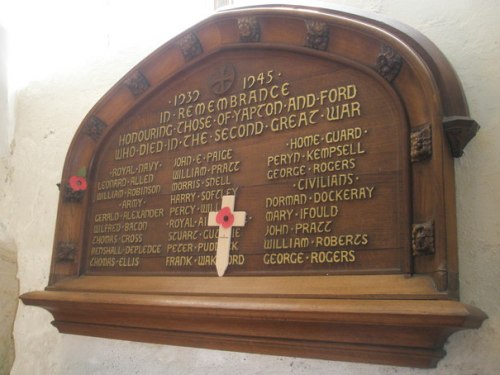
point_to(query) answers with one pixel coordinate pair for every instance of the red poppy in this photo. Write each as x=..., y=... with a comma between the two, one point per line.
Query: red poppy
x=225, y=217
x=77, y=183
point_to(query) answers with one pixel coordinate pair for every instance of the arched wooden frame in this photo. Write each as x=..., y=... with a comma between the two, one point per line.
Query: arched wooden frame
x=392, y=319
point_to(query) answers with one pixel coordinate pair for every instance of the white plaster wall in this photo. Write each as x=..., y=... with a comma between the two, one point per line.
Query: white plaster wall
x=49, y=110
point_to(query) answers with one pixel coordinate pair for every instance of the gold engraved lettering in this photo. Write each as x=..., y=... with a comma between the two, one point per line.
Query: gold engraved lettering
x=128, y=262
x=106, y=217
x=343, y=135
x=283, y=159
x=106, y=250
x=150, y=213
x=337, y=256
x=148, y=167
x=183, y=235
x=356, y=239
x=182, y=210
x=181, y=174
x=337, y=94
x=219, y=155
x=106, y=228
x=112, y=184
x=102, y=262
x=141, y=180
x=179, y=261
x=209, y=195
x=286, y=243
x=179, y=247
x=277, y=230
x=186, y=185
x=183, y=161
x=207, y=247
x=217, y=181
x=286, y=200
x=279, y=215
x=110, y=194
x=182, y=198
x=239, y=131
x=135, y=226
x=286, y=172
x=194, y=125
x=263, y=78
x=182, y=222
x=294, y=121
x=341, y=111
x=150, y=249
x=331, y=165
x=145, y=135
x=131, y=238
x=228, y=167
x=105, y=239
x=144, y=190
x=322, y=182
x=284, y=258
x=196, y=139
x=186, y=98
x=307, y=227
x=304, y=142
x=298, y=103
x=318, y=212
x=123, y=171
x=365, y=192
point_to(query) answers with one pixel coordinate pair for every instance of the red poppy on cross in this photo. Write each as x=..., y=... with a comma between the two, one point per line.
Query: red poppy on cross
x=225, y=219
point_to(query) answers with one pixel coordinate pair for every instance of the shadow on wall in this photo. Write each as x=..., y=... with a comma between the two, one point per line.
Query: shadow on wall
x=9, y=291
x=9, y=284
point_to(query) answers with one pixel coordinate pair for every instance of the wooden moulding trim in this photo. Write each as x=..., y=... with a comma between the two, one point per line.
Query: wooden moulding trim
x=352, y=330
x=273, y=346
x=361, y=287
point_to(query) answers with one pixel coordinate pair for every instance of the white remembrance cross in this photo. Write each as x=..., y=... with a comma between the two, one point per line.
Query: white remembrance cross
x=225, y=219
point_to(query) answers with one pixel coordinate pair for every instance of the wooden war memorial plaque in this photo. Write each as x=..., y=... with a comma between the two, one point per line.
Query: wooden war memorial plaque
x=276, y=180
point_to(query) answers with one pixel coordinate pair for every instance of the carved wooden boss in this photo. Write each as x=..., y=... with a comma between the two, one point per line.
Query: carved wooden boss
x=273, y=180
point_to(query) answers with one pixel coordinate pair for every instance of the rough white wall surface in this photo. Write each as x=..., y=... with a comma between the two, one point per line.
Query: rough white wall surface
x=49, y=111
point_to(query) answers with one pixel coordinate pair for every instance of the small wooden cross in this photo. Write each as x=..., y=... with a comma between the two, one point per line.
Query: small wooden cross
x=225, y=219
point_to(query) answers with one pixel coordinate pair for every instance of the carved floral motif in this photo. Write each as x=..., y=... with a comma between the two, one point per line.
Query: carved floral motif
x=249, y=29
x=94, y=127
x=66, y=252
x=423, y=238
x=317, y=35
x=137, y=83
x=389, y=63
x=421, y=143
x=190, y=46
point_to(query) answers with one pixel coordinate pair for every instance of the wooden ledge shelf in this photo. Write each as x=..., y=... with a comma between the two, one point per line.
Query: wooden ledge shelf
x=401, y=333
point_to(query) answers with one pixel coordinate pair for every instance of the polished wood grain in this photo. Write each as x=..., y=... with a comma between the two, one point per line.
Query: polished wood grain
x=396, y=305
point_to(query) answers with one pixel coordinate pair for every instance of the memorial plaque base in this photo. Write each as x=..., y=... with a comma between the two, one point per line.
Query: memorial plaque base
x=383, y=331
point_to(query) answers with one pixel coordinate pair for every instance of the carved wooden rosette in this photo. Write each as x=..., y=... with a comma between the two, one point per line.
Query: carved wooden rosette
x=423, y=239
x=94, y=127
x=190, y=46
x=137, y=83
x=249, y=29
x=317, y=35
x=388, y=63
x=421, y=143
x=71, y=195
x=66, y=252
x=320, y=108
